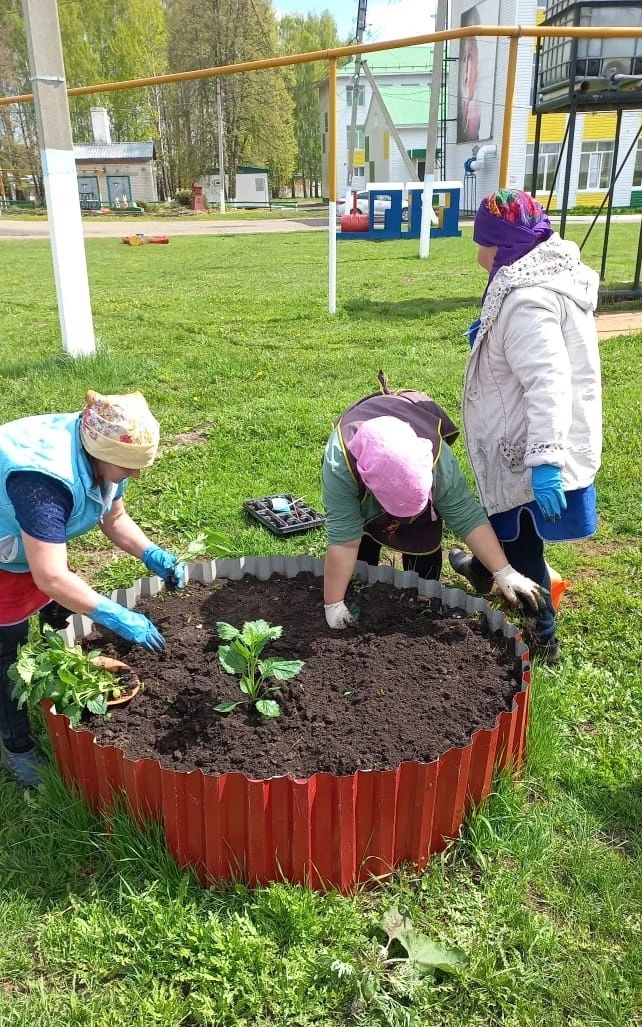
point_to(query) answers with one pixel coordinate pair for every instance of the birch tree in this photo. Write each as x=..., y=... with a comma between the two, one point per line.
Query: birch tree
x=301, y=34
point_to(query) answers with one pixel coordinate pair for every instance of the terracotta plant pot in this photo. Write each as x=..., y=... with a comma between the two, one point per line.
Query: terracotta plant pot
x=129, y=688
x=324, y=830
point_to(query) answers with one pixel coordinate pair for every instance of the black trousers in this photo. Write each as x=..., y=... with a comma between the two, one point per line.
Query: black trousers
x=428, y=566
x=15, y=730
x=526, y=555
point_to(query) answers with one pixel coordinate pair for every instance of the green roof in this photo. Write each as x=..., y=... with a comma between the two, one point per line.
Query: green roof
x=408, y=105
x=404, y=60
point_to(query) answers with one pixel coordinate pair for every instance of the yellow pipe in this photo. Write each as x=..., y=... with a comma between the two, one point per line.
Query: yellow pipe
x=501, y=31
x=332, y=129
x=508, y=112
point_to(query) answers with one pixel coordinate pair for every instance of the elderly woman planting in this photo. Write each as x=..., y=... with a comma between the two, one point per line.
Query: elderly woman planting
x=389, y=478
x=532, y=395
x=60, y=476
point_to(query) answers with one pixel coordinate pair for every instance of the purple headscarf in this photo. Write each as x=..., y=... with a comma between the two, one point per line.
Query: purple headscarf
x=512, y=221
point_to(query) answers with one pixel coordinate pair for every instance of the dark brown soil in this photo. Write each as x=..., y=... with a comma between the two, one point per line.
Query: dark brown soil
x=407, y=684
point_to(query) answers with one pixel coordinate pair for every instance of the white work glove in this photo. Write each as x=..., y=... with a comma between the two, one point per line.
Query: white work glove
x=338, y=615
x=515, y=587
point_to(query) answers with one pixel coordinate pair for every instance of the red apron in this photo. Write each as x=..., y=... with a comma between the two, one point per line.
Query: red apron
x=19, y=598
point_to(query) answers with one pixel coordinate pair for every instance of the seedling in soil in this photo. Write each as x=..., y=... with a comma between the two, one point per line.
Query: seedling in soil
x=241, y=657
x=211, y=543
x=47, y=669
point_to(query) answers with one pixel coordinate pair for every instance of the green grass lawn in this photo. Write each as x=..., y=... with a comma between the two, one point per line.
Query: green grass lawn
x=230, y=341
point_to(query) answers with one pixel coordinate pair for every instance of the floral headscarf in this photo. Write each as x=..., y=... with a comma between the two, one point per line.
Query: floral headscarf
x=120, y=430
x=512, y=221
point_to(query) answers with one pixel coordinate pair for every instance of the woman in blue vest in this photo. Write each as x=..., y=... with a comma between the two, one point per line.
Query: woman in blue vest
x=60, y=476
x=390, y=479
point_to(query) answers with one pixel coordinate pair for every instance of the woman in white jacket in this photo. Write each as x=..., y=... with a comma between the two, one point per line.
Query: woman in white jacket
x=531, y=405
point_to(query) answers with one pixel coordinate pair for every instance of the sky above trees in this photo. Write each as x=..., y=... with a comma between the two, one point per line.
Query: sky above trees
x=386, y=19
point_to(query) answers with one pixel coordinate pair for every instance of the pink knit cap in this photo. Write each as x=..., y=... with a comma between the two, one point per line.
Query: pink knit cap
x=394, y=464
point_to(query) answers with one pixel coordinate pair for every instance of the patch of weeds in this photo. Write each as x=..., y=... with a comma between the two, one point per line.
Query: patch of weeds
x=383, y=987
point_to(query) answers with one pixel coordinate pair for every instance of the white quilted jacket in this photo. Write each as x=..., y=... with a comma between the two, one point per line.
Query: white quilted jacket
x=532, y=391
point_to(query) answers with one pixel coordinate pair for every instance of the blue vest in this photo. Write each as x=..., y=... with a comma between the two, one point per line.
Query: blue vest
x=49, y=444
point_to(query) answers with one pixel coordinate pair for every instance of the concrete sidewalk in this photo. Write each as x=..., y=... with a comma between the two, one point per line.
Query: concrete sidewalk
x=14, y=229
x=625, y=322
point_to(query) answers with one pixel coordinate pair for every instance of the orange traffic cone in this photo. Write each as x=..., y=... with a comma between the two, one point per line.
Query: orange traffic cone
x=558, y=586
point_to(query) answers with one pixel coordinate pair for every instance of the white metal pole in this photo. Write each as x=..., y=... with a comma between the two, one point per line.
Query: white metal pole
x=59, y=174
x=221, y=147
x=332, y=257
x=332, y=186
x=431, y=140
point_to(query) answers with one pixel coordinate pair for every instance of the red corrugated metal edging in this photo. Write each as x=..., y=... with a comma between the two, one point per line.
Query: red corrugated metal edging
x=325, y=831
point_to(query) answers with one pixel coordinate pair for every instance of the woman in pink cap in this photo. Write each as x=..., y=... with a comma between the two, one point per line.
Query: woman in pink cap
x=390, y=479
x=60, y=476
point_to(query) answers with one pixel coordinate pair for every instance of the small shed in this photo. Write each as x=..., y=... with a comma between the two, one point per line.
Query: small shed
x=115, y=174
x=252, y=186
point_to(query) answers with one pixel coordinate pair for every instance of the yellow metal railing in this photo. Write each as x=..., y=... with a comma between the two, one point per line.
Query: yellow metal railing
x=337, y=52
x=512, y=32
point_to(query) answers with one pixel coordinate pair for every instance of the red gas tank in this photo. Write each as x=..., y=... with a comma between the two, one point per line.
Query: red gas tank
x=355, y=223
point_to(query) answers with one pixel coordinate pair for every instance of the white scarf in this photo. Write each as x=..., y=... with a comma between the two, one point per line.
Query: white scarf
x=541, y=265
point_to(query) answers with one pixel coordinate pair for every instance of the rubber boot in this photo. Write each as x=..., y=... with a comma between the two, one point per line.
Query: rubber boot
x=23, y=766
x=463, y=563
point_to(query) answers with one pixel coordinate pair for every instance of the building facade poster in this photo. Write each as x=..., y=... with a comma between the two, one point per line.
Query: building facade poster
x=476, y=74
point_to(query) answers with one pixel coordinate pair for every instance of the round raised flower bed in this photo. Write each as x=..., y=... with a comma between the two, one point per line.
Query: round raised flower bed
x=355, y=817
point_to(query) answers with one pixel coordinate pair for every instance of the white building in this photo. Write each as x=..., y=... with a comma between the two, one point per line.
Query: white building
x=478, y=75
x=396, y=72
x=407, y=108
x=476, y=112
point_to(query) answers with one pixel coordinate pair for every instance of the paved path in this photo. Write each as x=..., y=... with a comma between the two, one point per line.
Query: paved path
x=624, y=322
x=11, y=228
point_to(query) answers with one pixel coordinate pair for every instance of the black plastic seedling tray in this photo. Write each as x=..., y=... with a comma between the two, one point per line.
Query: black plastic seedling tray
x=300, y=518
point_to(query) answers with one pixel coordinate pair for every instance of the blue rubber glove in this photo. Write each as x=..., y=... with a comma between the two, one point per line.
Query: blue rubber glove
x=472, y=332
x=168, y=567
x=135, y=627
x=546, y=480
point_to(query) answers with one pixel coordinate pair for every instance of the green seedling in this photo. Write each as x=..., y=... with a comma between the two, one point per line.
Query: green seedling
x=48, y=669
x=242, y=657
x=211, y=543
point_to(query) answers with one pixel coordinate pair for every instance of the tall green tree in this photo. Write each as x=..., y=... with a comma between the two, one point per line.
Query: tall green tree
x=303, y=34
x=124, y=39
x=19, y=154
x=101, y=42
x=257, y=107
